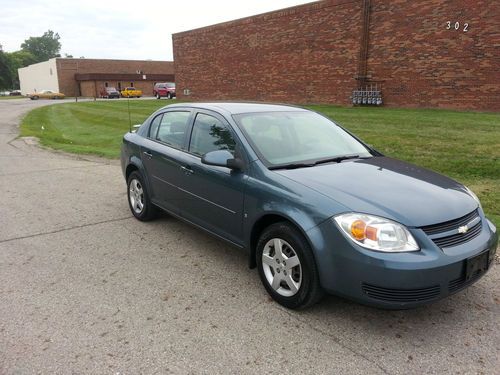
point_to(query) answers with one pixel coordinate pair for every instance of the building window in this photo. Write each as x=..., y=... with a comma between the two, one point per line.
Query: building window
x=105, y=84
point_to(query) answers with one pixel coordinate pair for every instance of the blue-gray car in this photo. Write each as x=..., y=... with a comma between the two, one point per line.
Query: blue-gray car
x=316, y=209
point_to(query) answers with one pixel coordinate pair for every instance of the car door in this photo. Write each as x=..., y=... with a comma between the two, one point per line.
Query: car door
x=214, y=195
x=160, y=154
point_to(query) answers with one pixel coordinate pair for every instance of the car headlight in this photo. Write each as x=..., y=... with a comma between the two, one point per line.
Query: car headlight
x=471, y=193
x=376, y=233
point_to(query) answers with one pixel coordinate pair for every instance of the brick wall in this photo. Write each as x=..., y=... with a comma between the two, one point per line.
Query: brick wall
x=67, y=68
x=310, y=54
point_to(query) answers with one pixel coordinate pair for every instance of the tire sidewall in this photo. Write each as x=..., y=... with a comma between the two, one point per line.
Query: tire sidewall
x=307, y=263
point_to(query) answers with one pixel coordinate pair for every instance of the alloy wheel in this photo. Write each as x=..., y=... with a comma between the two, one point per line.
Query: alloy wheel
x=282, y=267
x=136, y=196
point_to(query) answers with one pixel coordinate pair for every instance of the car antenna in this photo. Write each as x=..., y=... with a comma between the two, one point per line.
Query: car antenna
x=129, y=119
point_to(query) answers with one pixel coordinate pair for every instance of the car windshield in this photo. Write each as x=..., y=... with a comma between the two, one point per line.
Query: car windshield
x=284, y=138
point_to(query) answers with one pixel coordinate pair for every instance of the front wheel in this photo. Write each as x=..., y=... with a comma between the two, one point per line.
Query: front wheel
x=138, y=198
x=287, y=267
x=158, y=96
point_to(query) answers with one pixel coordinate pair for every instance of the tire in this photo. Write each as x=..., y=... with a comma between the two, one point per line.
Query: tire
x=158, y=96
x=139, y=200
x=296, y=285
x=34, y=97
x=169, y=96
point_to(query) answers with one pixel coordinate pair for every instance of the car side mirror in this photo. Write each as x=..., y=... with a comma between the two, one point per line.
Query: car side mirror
x=222, y=158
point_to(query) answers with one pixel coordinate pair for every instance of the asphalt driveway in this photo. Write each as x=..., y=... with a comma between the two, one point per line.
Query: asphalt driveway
x=85, y=288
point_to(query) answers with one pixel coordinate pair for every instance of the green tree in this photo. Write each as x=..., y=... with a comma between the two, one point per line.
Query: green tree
x=21, y=58
x=18, y=59
x=43, y=47
x=5, y=70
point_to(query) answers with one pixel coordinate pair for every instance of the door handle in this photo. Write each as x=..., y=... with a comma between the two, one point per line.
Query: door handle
x=187, y=170
x=148, y=154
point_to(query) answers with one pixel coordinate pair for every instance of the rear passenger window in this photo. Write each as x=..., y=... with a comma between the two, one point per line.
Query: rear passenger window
x=173, y=128
x=210, y=134
x=153, y=128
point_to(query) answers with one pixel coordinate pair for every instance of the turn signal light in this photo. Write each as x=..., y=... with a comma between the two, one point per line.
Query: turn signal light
x=358, y=230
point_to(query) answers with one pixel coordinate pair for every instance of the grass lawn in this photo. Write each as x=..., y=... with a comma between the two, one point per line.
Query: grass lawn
x=462, y=145
x=12, y=97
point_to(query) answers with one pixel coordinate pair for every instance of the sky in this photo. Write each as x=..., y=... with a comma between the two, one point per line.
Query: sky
x=139, y=29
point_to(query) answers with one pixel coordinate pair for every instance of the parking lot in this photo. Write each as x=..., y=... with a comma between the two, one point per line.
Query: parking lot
x=86, y=288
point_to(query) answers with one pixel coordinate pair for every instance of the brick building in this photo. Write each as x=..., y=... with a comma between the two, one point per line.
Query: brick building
x=427, y=53
x=87, y=77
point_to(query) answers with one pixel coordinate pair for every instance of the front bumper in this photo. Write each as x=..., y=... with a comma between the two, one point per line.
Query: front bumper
x=397, y=280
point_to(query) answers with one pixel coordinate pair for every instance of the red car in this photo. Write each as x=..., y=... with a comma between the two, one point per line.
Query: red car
x=166, y=89
x=110, y=93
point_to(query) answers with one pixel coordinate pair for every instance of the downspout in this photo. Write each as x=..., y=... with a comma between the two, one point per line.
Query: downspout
x=364, y=43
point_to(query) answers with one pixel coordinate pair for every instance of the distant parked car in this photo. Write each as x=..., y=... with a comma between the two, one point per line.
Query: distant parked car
x=166, y=89
x=46, y=94
x=4, y=93
x=15, y=93
x=110, y=93
x=131, y=92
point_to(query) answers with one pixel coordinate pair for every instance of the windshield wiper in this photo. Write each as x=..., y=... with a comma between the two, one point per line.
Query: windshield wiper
x=292, y=166
x=336, y=159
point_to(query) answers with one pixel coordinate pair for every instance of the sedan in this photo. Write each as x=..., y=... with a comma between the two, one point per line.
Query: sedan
x=46, y=94
x=315, y=208
x=131, y=92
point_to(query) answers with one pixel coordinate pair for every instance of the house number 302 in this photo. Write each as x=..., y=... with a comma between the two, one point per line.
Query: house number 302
x=456, y=26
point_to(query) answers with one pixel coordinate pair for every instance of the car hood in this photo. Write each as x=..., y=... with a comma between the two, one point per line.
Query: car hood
x=389, y=188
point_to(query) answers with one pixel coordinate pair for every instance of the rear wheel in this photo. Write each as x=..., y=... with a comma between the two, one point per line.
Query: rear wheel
x=34, y=97
x=169, y=96
x=138, y=198
x=158, y=96
x=287, y=267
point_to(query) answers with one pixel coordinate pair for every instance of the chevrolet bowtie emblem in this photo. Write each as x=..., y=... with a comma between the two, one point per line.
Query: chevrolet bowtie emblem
x=463, y=229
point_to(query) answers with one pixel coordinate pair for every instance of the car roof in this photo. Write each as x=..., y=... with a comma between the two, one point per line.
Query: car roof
x=235, y=108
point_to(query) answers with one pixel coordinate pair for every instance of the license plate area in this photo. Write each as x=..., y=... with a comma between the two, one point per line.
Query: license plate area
x=476, y=265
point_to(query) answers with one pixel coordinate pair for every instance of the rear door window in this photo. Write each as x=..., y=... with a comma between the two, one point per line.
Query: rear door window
x=173, y=127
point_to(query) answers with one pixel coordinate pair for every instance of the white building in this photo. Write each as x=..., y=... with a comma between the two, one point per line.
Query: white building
x=38, y=77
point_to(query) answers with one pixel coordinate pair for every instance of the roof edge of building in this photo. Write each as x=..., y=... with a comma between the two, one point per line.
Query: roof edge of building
x=95, y=59
x=318, y=4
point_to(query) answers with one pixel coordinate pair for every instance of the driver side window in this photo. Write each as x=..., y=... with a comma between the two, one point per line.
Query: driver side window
x=210, y=134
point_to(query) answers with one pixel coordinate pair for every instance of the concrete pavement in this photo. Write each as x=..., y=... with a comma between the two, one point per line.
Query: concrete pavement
x=85, y=288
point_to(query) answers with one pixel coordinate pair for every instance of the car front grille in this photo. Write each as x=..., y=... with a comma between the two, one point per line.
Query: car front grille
x=462, y=282
x=401, y=295
x=447, y=234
